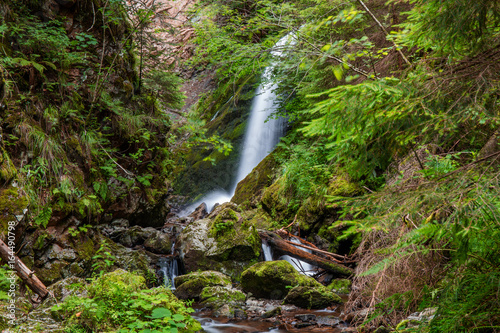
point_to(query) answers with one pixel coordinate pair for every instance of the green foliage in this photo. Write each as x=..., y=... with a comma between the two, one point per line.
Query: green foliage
x=118, y=301
x=4, y=283
x=447, y=25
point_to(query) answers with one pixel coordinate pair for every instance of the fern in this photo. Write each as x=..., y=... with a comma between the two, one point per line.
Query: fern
x=43, y=217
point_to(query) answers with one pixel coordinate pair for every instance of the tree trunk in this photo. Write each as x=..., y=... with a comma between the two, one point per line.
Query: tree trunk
x=284, y=248
x=28, y=277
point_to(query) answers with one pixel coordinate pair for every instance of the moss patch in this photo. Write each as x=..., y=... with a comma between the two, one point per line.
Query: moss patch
x=272, y=279
x=190, y=286
x=341, y=286
x=12, y=203
x=312, y=297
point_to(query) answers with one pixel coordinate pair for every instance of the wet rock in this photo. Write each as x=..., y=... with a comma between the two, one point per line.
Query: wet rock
x=240, y=314
x=69, y=286
x=312, y=297
x=199, y=213
x=224, y=311
x=135, y=236
x=272, y=313
x=219, y=296
x=222, y=242
x=159, y=243
x=304, y=324
x=306, y=317
x=272, y=279
x=328, y=320
x=190, y=286
x=120, y=223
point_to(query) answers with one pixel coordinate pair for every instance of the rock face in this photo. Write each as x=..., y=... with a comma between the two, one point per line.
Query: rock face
x=191, y=285
x=223, y=243
x=312, y=297
x=272, y=279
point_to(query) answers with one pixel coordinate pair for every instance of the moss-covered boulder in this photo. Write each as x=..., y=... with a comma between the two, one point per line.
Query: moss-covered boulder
x=222, y=242
x=218, y=296
x=311, y=297
x=274, y=201
x=119, y=279
x=273, y=279
x=340, y=286
x=250, y=189
x=190, y=286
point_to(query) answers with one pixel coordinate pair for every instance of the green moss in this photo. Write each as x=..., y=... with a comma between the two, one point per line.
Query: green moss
x=271, y=279
x=341, y=286
x=51, y=272
x=190, y=286
x=85, y=249
x=12, y=203
x=7, y=169
x=215, y=297
x=274, y=201
x=312, y=297
x=121, y=280
x=340, y=186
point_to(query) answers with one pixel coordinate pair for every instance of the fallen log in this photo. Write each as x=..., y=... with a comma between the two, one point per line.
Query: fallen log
x=284, y=248
x=28, y=277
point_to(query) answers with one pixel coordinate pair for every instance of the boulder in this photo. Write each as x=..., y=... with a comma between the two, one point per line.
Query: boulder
x=272, y=279
x=190, y=286
x=200, y=212
x=222, y=242
x=218, y=296
x=340, y=286
x=159, y=242
x=312, y=297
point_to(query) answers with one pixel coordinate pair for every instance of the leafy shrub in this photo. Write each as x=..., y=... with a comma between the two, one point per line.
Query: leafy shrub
x=118, y=301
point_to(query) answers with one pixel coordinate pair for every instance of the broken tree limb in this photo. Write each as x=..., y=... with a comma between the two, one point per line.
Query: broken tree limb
x=28, y=277
x=284, y=248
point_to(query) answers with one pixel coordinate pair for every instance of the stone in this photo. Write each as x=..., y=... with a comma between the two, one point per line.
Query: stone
x=312, y=297
x=305, y=317
x=219, y=296
x=67, y=287
x=340, y=286
x=272, y=279
x=272, y=313
x=222, y=242
x=190, y=286
x=159, y=243
x=57, y=252
x=200, y=212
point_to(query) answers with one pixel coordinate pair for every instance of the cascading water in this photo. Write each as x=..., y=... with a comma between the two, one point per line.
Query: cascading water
x=170, y=270
x=300, y=265
x=262, y=134
x=268, y=252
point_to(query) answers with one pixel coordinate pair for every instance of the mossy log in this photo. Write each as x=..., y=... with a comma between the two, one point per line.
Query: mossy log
x=22, y=271
x=284, y=248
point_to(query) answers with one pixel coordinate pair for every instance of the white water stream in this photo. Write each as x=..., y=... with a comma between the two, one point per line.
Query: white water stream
x=262, y=134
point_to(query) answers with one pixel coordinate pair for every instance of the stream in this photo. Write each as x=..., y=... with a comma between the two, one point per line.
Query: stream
x=294, y=321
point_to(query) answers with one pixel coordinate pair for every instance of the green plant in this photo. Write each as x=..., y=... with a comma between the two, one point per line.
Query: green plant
x=118, y=301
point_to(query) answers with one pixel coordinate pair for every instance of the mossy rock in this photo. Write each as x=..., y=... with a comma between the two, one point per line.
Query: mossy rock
x=229, y=246
x=274, y=201
x=250, y=189
x=190, y=286
x=217, y=296
x=340, y=286
x=311, y=297
x=119, y=279
x=310, y=213
x=272, y=279
x=12, y=203
x=258, y=218
x=159, y=243
x=7, y=169
x=51, y=272
x=342, y=187
x=69, y=286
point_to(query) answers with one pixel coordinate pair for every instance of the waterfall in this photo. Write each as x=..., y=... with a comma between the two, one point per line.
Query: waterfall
x=262, y=132
x=268, y=252
x=300, y=265
x=170, y=270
